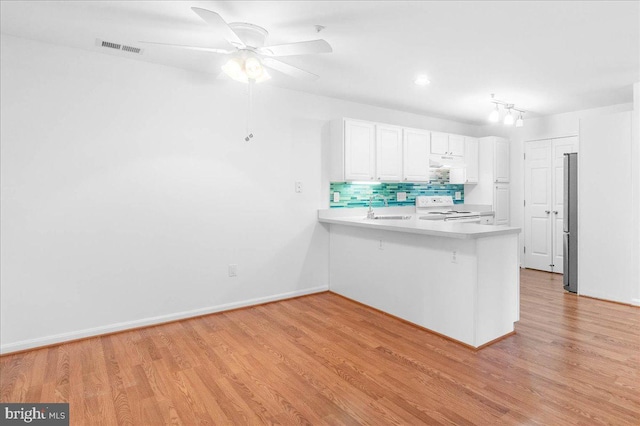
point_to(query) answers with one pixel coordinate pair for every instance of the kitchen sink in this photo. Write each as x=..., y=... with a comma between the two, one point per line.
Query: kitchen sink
x=391, y=217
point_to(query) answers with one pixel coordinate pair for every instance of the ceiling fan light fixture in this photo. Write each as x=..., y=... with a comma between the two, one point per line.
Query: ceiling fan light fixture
x=234, y=69
x=245, y=69
x=253, y=68
x=520, y=121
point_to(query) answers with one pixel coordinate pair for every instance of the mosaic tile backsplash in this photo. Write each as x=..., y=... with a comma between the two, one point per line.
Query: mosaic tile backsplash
x=357, y=195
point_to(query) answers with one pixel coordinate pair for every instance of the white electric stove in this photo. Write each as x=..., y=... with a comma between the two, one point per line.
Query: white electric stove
x=441, y=207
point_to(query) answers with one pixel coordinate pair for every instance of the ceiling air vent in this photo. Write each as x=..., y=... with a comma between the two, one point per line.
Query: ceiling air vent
x=131, y=49
x=117, y=46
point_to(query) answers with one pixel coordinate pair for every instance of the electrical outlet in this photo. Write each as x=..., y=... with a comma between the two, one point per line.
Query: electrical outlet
x=454, y=257
x=298, y=186
x=233, y=270
x=401, y=196
x=458, y=195
x=336, y=197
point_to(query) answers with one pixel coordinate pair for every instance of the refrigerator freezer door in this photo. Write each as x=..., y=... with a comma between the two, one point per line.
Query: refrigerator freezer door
x=565, y=198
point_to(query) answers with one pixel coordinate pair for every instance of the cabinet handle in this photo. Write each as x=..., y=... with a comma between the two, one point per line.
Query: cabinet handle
x=405, y=178
x=555, y=212
x=378, y=178
x=547, y=211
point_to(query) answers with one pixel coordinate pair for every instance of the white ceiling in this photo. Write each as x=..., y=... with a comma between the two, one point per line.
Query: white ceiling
x=547, y=57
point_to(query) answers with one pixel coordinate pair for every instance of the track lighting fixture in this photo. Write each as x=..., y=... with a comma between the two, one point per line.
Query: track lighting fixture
x=508, y=120
x=494, y=117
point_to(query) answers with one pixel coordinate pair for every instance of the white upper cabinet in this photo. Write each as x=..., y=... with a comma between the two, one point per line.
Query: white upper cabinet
x=501, y=204
x=446, y=144
x=359, y=150
x=388, y=153
x=416, y=155
x=471, y=160
x=439, y=143
x=456, y=145
x=501, y=160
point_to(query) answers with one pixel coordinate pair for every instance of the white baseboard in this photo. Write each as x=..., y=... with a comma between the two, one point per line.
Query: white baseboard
x=122, y=326
x=635, y=302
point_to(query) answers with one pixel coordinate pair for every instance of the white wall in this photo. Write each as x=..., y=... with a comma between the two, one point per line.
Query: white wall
x=606, y=261
x=564, y=125
x=127, y=189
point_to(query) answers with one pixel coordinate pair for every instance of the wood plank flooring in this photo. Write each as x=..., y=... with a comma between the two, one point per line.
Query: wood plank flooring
x=322, y=359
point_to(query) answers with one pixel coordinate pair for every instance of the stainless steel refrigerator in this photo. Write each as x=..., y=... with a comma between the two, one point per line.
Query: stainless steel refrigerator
x=570, y=226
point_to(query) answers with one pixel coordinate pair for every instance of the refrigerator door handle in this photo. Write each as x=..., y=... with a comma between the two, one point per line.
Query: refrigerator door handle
x=566, y=276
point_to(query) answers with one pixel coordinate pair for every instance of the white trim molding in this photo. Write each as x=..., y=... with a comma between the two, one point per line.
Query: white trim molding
x=145, y=322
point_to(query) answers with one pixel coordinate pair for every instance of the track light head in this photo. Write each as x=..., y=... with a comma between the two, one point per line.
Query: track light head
x=494, y=117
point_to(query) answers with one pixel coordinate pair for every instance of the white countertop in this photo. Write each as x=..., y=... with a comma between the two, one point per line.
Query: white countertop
x=357, y=217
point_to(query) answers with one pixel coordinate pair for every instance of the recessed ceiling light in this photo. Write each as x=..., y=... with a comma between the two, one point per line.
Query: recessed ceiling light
x=422, y=80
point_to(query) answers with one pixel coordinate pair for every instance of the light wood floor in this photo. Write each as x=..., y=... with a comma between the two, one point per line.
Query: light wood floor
x=322, y=359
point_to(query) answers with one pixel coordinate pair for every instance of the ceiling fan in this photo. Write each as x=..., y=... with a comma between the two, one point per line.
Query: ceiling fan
x=248, y=56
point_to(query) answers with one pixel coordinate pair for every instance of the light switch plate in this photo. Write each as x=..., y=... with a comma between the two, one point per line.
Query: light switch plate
x=401, y=196
x=458, y=195
x=336, y=197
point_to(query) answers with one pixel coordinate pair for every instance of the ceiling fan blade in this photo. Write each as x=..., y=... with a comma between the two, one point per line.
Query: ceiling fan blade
x=289, y=69
x=182, y=46
x=300, y=48
x=219, y=26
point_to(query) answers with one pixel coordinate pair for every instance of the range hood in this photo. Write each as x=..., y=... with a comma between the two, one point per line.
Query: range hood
x=445, y=161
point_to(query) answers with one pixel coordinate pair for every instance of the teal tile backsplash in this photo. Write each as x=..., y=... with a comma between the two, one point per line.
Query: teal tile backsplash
x=357, y=195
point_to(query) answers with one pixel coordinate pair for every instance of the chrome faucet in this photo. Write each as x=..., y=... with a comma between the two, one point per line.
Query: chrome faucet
x=370, y=213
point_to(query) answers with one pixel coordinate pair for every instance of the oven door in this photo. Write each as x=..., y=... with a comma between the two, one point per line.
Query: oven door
x=462, y=219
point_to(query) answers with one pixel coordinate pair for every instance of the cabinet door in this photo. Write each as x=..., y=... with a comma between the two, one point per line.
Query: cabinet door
x=471, y=160
x=388, y=153
x=416, y=155
x=359, y=150
x=456, y=145
x=501, y=203
x=439, y=143
x=501, y=160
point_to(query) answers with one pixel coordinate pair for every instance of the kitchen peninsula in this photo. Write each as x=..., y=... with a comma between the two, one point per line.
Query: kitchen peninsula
x=460, y=280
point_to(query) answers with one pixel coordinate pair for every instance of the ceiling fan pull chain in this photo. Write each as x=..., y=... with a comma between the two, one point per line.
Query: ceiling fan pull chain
x=250, y=98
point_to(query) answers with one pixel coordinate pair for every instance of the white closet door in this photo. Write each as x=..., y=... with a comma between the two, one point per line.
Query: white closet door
x=538, y=222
